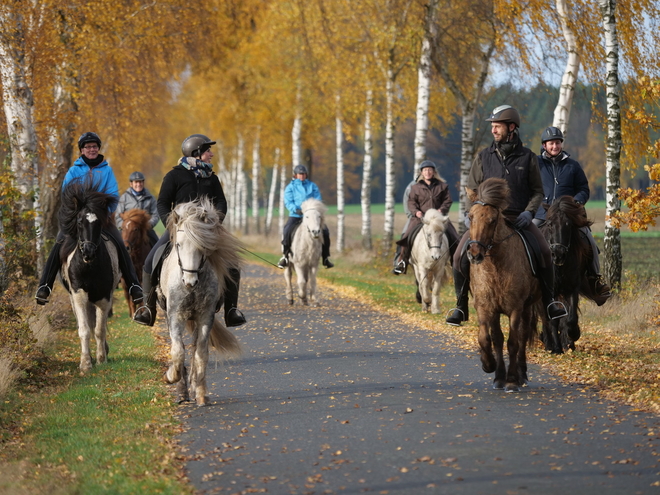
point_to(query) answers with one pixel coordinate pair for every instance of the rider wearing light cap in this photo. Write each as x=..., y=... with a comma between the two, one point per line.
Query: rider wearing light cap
x=138, y=196
x=508, y=159
x=190, y=179
x=300, y=189
x=561, y=176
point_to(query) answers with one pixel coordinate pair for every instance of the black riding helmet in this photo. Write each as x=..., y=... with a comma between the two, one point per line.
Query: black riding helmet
x=505, y=113
x=136, y=176
x=196, y=145
x=551, y=133
x=300, y=169
x=88, y=137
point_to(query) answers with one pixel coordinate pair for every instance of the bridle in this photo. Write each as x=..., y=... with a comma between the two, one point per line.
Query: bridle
x=178, y=256
x=492, y=242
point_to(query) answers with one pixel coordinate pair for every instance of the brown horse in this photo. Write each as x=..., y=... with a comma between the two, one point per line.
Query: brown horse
x=134, y=233
x=502, y=282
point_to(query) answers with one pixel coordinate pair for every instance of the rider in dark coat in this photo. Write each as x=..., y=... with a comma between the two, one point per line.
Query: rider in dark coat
x=138, y=196
x=190, y=179
x=508, y=159
x=563, y=176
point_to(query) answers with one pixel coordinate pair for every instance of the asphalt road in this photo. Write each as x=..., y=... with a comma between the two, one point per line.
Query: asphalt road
x=343, y=399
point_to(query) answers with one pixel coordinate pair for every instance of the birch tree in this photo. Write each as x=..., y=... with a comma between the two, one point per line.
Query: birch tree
x=271, y=193
x=365, y=190
x=256, y=175
x=339, y=135
x=569, y=78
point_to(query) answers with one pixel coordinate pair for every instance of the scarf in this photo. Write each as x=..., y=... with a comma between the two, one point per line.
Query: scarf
x=199, y=168
x=92, y=163
x=136, y=193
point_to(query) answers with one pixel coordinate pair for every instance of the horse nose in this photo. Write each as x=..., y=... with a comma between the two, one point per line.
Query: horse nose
x=189, y=280
x=316, y=233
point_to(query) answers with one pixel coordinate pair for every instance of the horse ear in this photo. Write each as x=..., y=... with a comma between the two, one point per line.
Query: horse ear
x=471, y=194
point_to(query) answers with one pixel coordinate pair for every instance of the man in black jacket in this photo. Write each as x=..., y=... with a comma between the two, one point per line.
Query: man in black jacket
x=563, y=176
x=508, y=159
x=190, y=179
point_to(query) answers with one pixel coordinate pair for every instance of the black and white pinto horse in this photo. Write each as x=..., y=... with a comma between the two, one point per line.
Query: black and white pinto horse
x=191, y=285
x=90, y=266
x=306, y=252
x=429, y=256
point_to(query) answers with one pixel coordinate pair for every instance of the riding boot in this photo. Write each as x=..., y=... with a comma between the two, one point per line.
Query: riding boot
x=554, y=309
x=146, y=314
x=126, y=266
x=53, y=264
x=325, y=249
x=401, y=266
x=233, y=316
x=460, y=313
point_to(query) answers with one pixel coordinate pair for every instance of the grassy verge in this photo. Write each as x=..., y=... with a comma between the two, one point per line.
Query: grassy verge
x=110, y=431
x=617, y=353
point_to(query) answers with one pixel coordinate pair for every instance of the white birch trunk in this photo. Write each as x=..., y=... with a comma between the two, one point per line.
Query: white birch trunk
x=296, y=132
x=271, y=192
x=365, y=194
x=567, y=89
x=240, y=179
x=244, y=201
x=283, y=184
x=256, y=174
x=4, y=278
x=388, y=230
x=612, y=240
x=423, y=92
x=339, y=245
x=233, y=194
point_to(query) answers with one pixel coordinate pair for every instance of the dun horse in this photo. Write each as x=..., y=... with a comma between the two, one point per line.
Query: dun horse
x=502, y=282
x=90, y=266
x=134, y=233
x=570, y=256
x=191, y=284
x=429, y=256
x=306, y=252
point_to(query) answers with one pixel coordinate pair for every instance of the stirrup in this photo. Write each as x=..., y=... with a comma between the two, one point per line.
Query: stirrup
x=563, y=306
x=283, y=263
x=130, y=292
x=41, y=300
x=453, y=321
x=235, y=318
x=400, y=268
x=152, y=316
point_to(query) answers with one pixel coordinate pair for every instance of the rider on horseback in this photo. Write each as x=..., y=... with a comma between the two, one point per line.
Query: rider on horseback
x=561, y=175
x=430, y=191
x=138, y=196
x=90, y=166
x=190, y=179
x=299, y=189
x=508, y=159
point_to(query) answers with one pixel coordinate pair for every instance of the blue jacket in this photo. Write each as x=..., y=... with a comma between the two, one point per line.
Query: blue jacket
x=298, y=191
x=102, y=175
x=561, y=179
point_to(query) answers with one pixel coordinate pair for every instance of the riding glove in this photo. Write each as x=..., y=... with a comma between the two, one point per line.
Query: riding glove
x=523, y=220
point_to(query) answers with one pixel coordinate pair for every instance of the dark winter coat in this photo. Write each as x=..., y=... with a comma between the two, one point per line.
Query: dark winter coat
x=561, y=177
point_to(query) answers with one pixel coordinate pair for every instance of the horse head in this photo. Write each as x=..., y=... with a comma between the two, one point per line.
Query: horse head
x=490, y=200
x=563, y=218
x=89, y=234
x=435, y=224
x=313, y=215
x=135, y=227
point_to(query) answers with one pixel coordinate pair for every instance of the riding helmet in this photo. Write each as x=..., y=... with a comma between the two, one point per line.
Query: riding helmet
x=427, y=163
x=196, y=145
x=551, y=133
x=136, y=176
x=300, y=169
x=505, y=113
x=88, y=137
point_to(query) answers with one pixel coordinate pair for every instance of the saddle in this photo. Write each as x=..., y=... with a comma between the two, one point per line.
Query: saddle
x=409, y=240
x=532, y=249
x=157, y=263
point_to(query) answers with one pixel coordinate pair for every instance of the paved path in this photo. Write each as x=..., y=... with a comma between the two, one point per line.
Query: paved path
x=343, y=399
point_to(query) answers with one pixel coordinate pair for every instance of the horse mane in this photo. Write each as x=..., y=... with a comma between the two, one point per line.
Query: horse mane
x=434, y=218
x=80, y=194
x=202, y=224
x=494, y=192
x=575, y=212
x=314, y=204
x=137, y=215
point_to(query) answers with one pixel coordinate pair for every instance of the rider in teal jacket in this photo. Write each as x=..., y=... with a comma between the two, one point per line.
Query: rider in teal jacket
x=300, y=189
x=101, y=175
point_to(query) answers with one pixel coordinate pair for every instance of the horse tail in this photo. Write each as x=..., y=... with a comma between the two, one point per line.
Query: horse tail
x=223, y=341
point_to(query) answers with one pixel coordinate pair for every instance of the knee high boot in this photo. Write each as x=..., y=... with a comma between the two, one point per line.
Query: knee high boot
x=49, y=274
x=146, y=314
x=462, y=287
x=554, y=309
x=233, y=316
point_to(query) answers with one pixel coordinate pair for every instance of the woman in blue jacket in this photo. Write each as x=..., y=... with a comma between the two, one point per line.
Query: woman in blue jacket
x=298, y=190
x=92, y=166
x=563, y=176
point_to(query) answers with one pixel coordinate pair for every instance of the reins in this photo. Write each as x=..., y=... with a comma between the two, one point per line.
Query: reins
x=178, y=256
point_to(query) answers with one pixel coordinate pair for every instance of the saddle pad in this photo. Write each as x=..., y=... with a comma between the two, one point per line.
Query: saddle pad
x=409, y=240
x=532, y=249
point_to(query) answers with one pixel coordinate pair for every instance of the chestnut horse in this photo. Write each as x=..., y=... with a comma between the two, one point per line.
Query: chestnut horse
x=134, y=233
x=570, y=257
x=502, y=282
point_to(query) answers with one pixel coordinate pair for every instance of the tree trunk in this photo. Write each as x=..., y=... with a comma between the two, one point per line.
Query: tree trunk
x=365, y=194
x=271, y=193
x=423, y=85
x=283, y=182
x=339, y=135
x=567, y=88
x=256, y=174
x=388, y=230
x=296, y=132
x=612, y=240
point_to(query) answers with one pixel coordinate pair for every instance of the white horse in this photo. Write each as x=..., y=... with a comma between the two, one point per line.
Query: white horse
x=429, y=256
x=192, y=282
x=306, y=252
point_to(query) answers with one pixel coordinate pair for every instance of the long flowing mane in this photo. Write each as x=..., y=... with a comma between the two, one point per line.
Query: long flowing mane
x=574, y=212
x=434, y=219
x=494, y=192
x=314, y=204
x=81, y=194
x=200, y=222
x=137, y=215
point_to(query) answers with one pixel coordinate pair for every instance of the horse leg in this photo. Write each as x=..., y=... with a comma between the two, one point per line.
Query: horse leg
x=302, y=275
x=423, y=286
x=497, y=337
x=435, y=294
x=311, y=284
x=287, y=280
x=513, y=344
x=200, y=361
x=488, y=363
x=79, y=304
x=101, y=331
x=177, y=351
x=572, y=320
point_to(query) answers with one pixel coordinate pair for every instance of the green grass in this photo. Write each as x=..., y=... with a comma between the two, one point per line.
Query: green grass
x=108, y=431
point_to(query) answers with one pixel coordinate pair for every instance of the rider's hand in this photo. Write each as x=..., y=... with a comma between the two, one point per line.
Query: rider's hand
x=419, y=214
x=523, y=220
x=298, y=211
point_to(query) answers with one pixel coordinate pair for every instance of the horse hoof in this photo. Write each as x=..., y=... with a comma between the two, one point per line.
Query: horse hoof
x=498, y=384
x=182, y=399
x=290, y=302
x=202, y=401
x=512, y=388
